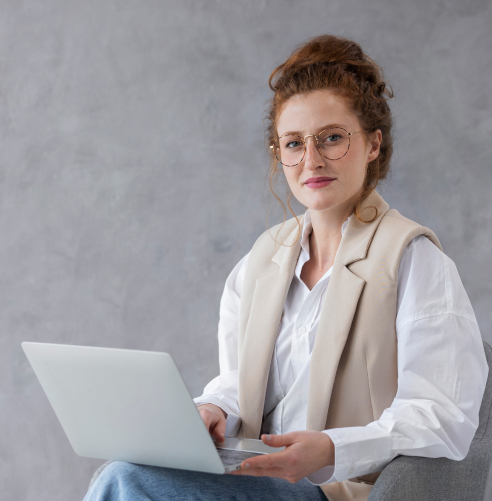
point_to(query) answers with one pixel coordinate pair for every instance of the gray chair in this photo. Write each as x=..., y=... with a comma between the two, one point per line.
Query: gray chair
x=410, y=478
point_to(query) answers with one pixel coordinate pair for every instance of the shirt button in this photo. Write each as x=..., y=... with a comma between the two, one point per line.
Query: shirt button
x=373, y=466
x=351, y=470
x=301, y=331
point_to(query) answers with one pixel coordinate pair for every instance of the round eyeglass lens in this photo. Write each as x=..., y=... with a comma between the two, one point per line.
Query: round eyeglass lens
x=290, y=150
x=333, y=143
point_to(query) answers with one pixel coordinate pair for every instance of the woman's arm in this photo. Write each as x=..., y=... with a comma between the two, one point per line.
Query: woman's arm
x=222, y=391
x=442, y=373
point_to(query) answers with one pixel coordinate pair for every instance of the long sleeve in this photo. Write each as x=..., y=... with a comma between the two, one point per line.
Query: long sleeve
x=442, y=373
x=223, y=390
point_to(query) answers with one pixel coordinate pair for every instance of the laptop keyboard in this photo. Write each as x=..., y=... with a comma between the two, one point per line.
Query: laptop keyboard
x=231, y=456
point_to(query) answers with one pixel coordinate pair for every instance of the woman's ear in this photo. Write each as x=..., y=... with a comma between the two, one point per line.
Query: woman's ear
x=374, y=144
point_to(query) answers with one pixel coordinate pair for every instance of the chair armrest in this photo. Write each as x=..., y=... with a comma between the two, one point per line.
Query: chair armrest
x=411, y=478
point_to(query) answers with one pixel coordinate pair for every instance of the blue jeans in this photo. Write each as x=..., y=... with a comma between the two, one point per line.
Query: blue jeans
x=130, y=482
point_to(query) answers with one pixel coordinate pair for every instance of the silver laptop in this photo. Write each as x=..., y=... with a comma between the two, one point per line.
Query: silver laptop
x=131, y=406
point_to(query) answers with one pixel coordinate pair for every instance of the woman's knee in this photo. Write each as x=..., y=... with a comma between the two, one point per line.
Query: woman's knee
x=115, y=481
x=119, y=471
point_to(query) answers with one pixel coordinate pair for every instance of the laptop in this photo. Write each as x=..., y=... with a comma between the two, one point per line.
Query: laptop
x=132, y=406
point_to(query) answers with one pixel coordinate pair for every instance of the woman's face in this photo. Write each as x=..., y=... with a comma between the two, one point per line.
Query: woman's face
x=311, y=113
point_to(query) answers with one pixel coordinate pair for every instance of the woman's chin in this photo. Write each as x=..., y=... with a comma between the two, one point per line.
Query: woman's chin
x=322, y=204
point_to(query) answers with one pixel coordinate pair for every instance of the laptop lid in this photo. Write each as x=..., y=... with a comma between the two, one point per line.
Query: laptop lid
x=125, y=405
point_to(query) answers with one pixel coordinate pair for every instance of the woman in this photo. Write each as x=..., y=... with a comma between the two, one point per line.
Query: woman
x=346, y=334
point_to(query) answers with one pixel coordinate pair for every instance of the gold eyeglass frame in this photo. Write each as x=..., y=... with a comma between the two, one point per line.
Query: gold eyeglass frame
x=276, y=145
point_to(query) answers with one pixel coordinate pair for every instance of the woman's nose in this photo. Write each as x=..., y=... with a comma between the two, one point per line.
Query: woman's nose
x=313, y=158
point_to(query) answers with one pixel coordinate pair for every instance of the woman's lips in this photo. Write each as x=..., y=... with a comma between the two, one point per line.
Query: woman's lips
x=319, y=182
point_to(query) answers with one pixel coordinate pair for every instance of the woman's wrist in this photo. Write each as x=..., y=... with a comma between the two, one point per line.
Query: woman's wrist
x=329, y=449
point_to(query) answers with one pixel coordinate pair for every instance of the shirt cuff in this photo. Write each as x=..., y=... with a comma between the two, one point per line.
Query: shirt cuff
x=359, y=450
x=323, y=476
x=233, y=421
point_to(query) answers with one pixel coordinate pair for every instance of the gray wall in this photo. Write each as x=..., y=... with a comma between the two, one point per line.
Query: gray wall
x=132, y=175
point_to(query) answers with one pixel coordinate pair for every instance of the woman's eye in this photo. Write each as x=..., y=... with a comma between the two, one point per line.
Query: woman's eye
x=293, y=144
x=332, y=138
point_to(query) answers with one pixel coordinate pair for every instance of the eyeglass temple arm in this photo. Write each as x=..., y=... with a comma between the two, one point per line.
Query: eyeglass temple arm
x=358, y=132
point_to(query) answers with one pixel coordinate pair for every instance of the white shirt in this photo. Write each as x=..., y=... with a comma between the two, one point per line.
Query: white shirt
x=442, y=368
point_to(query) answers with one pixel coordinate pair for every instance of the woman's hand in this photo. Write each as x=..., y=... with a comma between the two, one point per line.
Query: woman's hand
x=305, y=452
x=215, y=420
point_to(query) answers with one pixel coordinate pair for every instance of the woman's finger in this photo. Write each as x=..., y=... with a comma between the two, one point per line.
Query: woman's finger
x=260, y=472
x=267, y=472
x=219, y=429
x=280, y=459
x=280, y=440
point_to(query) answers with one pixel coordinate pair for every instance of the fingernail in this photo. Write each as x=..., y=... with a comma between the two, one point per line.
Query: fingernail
x=246, y=465
x=268, y=437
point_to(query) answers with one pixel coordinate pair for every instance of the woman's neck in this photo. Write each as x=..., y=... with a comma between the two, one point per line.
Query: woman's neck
x=325, y=238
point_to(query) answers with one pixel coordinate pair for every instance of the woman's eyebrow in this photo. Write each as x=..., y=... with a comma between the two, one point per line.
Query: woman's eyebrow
x=323, y=127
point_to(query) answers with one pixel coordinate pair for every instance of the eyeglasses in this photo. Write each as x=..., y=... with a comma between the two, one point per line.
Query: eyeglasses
x=332, y=143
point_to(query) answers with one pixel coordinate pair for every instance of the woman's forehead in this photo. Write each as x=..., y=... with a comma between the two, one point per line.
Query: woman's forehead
x=307, y=113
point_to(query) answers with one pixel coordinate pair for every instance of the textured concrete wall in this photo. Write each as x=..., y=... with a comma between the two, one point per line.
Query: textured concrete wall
x=132, y=175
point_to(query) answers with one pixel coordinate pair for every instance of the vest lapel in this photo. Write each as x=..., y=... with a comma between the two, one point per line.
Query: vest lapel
x=341, y=298
x=339, y=306
x=261, y=334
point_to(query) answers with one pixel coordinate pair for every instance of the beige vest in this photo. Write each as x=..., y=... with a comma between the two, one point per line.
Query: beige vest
x=353, y=373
